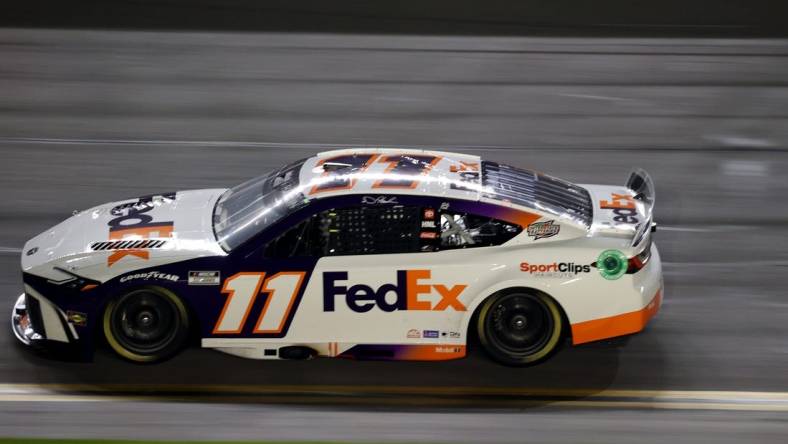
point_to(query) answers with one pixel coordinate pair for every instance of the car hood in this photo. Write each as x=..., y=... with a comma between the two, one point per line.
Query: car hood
x=117, y=237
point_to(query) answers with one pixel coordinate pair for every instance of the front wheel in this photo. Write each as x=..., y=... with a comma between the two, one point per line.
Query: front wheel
x=520, y=328
x=149, y=324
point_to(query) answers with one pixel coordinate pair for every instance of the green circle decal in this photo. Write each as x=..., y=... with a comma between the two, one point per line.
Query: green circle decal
x=612, y=264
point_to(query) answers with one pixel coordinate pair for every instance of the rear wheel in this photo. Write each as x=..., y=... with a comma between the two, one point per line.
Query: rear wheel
x=520, y=328
x=149, y=324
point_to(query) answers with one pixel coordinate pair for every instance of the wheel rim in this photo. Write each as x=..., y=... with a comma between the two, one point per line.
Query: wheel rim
x=520, y=324
x=144, y=322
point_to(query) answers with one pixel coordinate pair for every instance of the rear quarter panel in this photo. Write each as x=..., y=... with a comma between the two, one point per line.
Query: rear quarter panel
x=481, y=272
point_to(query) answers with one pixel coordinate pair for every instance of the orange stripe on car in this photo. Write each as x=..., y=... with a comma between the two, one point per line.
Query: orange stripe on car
x=617, y=325
x=515, y=216
x=423, y=352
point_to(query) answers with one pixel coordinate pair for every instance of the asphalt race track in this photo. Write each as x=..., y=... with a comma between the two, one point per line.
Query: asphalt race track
x=93, y=116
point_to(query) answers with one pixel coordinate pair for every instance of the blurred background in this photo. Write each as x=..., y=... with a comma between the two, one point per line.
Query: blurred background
x=103, y=100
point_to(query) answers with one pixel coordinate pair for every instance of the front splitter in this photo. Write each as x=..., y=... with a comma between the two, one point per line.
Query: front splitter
x=20, y=323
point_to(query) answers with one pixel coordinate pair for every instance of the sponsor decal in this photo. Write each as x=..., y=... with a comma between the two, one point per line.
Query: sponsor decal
x=623, y=206
x=150, y=275
x=556, y=269
x=204, y=278
x=541, y=230
x=612, y=264
x=428, y=235
x=429, y=213
x=32, y=251
x=428, y=224
x=444, y=206
x=448, y=350
x=454, y=334
x=414, y=334
x=379, y=200
x=132, y=222
x=77, y=318
x=408, y=289
x=431, y=334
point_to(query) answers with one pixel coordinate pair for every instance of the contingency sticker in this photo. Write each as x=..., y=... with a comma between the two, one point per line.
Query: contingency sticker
x=204, y=278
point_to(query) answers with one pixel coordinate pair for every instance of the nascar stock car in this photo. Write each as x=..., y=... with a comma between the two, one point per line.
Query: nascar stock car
x=362, y=253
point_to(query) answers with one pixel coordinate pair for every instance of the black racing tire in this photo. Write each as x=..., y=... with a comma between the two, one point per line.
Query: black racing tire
x=146, y=325
x=520, y=328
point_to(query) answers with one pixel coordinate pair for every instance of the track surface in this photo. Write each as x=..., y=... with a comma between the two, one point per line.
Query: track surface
x=89, y=117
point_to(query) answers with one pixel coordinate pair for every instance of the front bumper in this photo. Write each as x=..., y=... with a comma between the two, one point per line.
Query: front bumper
x=21, y=324
x=36, y=320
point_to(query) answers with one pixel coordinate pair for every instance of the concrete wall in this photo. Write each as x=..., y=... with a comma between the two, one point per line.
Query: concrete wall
x=451, y=17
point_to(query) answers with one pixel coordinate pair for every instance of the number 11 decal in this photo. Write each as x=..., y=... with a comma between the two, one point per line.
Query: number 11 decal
x=242, y=289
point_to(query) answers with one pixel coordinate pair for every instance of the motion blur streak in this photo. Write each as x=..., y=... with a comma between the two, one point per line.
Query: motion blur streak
x=402, y=396
x=93, y=116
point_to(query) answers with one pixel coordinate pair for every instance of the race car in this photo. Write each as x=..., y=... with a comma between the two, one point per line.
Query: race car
x=361, y=253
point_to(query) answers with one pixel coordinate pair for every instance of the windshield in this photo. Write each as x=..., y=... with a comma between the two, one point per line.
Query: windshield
x=249, y=208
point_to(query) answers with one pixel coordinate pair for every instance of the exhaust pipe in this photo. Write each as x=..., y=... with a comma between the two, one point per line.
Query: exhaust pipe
x=297, y=352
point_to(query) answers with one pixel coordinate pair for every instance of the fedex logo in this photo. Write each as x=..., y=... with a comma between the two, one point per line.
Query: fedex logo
x=623, y=206
x=409, y=293
x=131, y=222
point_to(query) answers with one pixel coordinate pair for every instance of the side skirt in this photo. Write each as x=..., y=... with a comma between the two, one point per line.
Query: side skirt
x=254, y=349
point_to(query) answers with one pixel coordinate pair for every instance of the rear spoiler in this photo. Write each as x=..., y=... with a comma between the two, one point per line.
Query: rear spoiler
x=640, y=183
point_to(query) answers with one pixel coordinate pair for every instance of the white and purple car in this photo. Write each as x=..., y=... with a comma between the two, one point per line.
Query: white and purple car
x=363, y=253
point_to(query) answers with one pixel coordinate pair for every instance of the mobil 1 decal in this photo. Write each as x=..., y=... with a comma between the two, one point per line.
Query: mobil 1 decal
x=131, y=220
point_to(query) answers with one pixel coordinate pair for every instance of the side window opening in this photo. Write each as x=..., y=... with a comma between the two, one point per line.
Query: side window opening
x=372, y=230
x=299, y=241
x=385, y=229
x=388, y=229
x=465, y=230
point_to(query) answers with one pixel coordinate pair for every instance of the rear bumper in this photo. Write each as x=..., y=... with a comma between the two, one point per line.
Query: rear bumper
x=645, y=299
x=618, y=325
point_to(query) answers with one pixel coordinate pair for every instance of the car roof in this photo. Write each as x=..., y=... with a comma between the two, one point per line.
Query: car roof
x=370, y=171
x=380, y=171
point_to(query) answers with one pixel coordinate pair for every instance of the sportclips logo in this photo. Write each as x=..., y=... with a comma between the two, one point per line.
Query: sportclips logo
x=408, y=293
x=132, y=222
x=556, y=269
x=623, y=206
